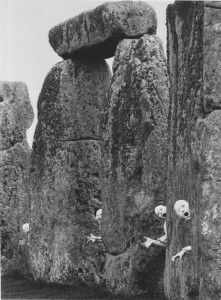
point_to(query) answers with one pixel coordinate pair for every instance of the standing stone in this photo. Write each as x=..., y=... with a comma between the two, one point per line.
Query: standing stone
x=97, y=32
x=65, y=173
x=16, y=116
x=194, y=168
x=134, y=132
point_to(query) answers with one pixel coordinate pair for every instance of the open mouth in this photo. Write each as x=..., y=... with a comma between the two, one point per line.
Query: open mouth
x=164, y=215
x=187, y=215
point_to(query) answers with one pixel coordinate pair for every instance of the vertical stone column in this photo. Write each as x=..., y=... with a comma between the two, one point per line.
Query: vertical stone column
x=16, y=116
x=65, y=173
x=194, y=56
x=66, y=157
x=134, y=132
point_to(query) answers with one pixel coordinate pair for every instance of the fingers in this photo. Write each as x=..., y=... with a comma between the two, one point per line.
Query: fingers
x=90, y=238
x=178, y=255
x=145, y=245
x=181, y=253
x=175, y=257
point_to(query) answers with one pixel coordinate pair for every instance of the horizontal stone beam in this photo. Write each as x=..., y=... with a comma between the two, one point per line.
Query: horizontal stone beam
x=97, y=32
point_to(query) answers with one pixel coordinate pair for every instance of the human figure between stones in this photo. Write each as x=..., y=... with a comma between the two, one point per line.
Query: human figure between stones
x=92, y=237
x=160, y=210
x=25, y=229
x=181, y=207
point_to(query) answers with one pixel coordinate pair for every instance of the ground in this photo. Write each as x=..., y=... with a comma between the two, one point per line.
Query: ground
x=16, y=287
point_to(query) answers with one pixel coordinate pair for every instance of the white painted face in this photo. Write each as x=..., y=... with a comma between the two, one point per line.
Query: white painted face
x=161, y=211
x=25, y=227
x=182, y=209
x=99, y=215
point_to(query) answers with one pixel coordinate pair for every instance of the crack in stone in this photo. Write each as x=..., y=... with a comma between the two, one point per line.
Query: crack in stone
x=213, y=5
x=14, y=145
x=214, y=108
x=85, y=138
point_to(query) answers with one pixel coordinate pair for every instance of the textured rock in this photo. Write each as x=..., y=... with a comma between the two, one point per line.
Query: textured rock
x=209, y=132
x=194, y=150
x=135, y=272
x=98, y=32
x=134, y=127
x=65, y=173
x=16, y=115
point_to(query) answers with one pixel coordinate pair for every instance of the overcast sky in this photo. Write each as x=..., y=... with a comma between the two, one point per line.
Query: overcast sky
x=25, y=53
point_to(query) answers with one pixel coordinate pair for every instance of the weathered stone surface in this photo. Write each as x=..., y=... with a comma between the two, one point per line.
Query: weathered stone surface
x=212, y=4
x=194, y=150
x=97, y=32
x=16, y=115
x=65, y=173
x=134, y=127
x=211, y=55
x=209, y=133
x=129, y=273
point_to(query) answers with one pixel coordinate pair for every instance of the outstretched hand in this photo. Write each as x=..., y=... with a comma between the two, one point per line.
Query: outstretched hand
x=148, y=242
x=181, y=253
x=92, y=238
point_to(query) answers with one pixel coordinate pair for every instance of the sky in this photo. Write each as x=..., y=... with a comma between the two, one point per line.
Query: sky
x=25, y=53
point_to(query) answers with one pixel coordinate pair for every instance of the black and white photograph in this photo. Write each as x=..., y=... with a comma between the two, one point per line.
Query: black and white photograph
x=110, y=149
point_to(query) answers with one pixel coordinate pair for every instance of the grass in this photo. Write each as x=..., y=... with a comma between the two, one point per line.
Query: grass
x=17, y=287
